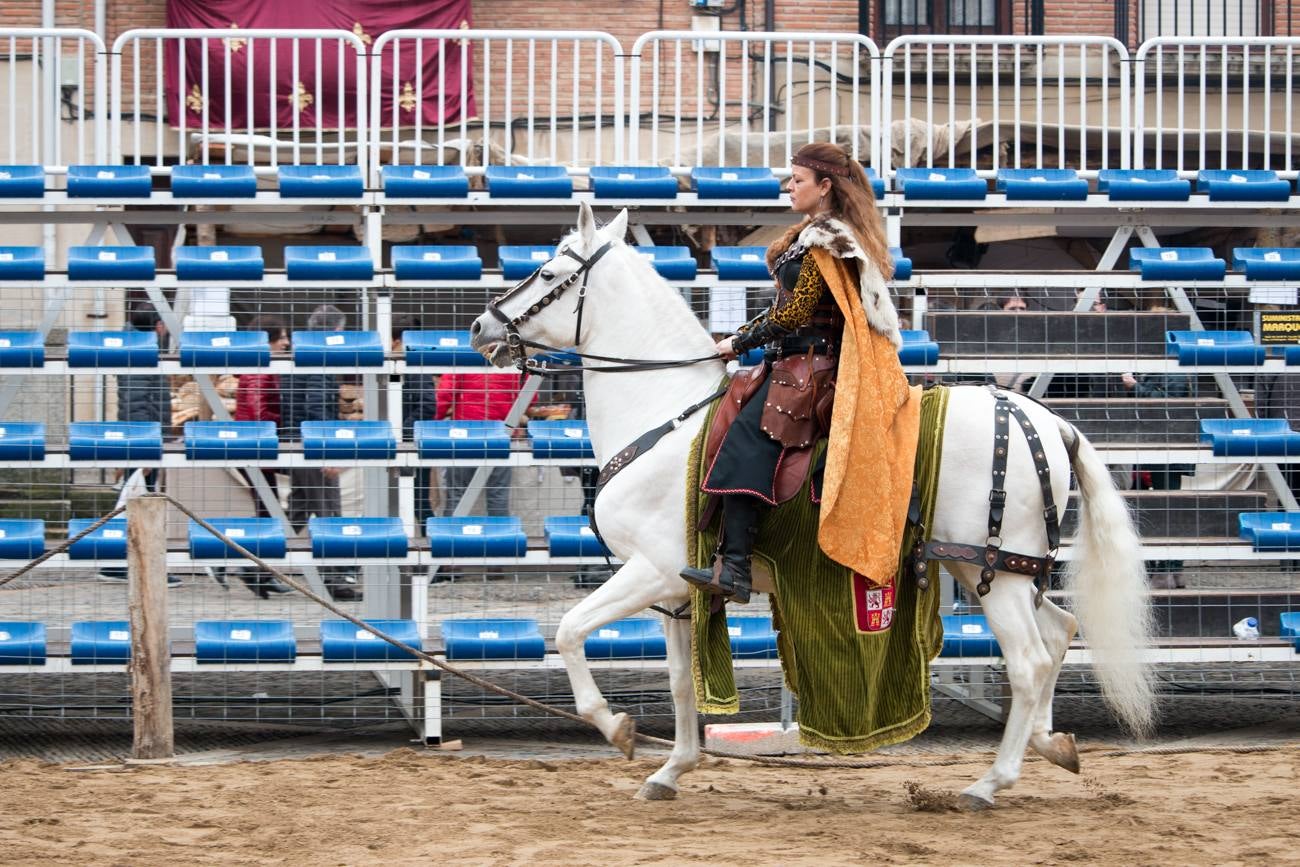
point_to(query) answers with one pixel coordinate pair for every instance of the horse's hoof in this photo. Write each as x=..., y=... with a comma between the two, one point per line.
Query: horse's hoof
x=656, y=792
x=624, y=736
x=969, y=803
x=1063, y=752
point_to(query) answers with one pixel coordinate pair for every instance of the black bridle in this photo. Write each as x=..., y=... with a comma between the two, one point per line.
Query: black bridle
x=518, y=346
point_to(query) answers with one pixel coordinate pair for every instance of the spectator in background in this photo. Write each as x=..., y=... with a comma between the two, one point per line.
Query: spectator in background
x=315, y=397
x=258, y=399
x=419, y=403
x=1013, y=304
x=477, y=397
x=1013, y=381
x=143, y=397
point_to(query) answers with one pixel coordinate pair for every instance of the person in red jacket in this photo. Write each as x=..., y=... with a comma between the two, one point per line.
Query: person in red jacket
x=477, y=397
x=258, y=399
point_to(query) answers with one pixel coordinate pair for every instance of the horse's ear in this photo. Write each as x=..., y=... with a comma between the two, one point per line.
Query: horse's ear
x=617, y=227
x=586, y=224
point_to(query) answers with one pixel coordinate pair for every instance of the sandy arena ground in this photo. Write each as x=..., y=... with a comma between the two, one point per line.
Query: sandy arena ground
x=409, y=807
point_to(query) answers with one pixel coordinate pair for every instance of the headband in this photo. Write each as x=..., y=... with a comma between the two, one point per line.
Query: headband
x=819, y=166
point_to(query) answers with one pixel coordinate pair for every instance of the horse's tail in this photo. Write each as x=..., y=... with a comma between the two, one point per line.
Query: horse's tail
x=1108, y=585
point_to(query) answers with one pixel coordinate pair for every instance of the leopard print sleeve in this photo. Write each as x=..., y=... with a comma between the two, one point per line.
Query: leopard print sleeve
x=808, y=289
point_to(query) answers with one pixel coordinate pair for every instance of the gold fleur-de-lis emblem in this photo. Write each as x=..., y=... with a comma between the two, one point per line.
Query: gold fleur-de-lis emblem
x=360, y=32
x=407, y=99
x=234, y=44
x=301, y=97
x=195, y=100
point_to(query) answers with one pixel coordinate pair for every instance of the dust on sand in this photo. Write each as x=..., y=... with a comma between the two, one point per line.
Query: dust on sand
x=409, y=807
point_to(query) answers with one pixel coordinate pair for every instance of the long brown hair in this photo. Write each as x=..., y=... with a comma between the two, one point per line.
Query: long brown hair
x=851, y=200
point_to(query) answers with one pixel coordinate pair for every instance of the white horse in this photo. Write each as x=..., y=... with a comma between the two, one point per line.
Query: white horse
x=631, y=312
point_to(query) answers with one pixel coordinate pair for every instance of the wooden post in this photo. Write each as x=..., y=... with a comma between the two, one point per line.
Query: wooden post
x=151, y=683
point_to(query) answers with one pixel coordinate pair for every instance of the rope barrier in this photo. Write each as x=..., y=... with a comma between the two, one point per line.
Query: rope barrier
x=66, y=545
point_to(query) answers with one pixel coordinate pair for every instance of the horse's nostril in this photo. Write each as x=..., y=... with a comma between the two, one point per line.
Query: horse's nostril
x=475, y=329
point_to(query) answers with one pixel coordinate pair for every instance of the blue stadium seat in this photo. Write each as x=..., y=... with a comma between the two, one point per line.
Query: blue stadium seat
x=1267, y=263
x=357, y=537
x=231, y=440
x=1056, y=185
x=452, y=262
x=918, y=349
x=115, y=441
x=560, y=358
x=462, y=439
x=740, y=263
x=109, y=264
x=328, y=263
x=344, y=641
x=105, y=543
x=22, y=642
x=109, y=182
x=476, y=536
x=902, y=264
x=425, y=182
x=338, y=349
x=219, y=264
x=632, y=182
x=572, y=536
x=225, y=349
x=968, y=635
x=348, y=440
x=672, y=263
x=1214, y=347
x=101, y=642
x=22, y=349
x=633, y=638
x=22, y=182
x=877, y=183
x=733, y=182
x=1289, y=625
x=1250, y=437
x=1143, y=185
x=261, y=536
x=321, y=182
x=1243, y=185
x=214, y=182
x=939, y=183
x=1176, y=263
x=22, y=441
x=752, y=637
x=21, y=538
x=566, y=438
x=517, y=262
x=528, y=182
x=112, y=349
x=22, y=263
x=449, y=348
x=1292, y=354
x=218, y=641
x=493, y=639
x=1271, y=531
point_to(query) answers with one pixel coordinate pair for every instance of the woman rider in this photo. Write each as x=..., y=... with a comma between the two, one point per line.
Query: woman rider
x=802, y=334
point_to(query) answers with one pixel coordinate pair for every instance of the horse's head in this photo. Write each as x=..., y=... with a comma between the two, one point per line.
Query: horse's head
x=544, y=310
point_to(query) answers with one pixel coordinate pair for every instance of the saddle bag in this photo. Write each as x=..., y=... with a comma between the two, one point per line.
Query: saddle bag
x=802, y=389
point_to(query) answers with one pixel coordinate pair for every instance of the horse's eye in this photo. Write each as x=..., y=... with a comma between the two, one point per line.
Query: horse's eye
x=548, y=276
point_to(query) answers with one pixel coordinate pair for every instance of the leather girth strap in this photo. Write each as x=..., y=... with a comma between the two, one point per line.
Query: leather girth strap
x=991, y=557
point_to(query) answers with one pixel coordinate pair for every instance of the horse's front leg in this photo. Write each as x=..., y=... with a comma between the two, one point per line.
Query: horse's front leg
x=634, y=587
x=662, y=785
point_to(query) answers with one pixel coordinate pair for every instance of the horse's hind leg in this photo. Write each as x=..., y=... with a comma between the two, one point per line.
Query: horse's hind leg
x=662, y=785
x=1056, y=627
x=1009, y=607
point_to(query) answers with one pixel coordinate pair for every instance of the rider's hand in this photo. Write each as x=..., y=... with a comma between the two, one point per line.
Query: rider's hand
x=727, y=348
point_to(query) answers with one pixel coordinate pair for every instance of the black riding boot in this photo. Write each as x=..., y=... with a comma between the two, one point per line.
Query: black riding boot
x=730, y=576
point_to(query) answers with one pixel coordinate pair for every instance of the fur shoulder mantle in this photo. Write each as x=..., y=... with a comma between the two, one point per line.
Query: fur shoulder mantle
x=838, y=239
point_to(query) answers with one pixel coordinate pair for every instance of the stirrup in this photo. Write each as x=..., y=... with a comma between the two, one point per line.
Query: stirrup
x=718, y=582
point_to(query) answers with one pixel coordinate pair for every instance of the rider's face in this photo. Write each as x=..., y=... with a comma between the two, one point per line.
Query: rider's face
x=807, y=196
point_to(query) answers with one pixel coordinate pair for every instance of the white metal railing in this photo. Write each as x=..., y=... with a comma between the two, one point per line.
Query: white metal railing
x=749, y=98
x=1260, y=72
x=536, y=91
x=226, y=92
x=1035, y=95
x=64, y=69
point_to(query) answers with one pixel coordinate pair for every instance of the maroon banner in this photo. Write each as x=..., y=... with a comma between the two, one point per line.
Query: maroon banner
x=310, y=89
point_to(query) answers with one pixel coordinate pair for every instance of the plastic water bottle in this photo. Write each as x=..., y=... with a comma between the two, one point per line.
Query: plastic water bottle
x=1246, y=629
